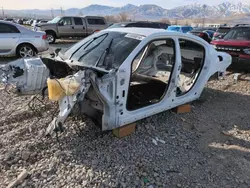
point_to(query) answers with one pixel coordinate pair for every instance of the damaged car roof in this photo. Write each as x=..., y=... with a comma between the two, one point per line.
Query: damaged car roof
x=146, y=32
x=139, y=31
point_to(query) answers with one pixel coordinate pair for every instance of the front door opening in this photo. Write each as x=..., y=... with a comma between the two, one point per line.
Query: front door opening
x=151, y=72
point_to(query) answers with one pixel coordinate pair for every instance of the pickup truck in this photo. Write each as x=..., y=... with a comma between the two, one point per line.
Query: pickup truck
x=72, y=26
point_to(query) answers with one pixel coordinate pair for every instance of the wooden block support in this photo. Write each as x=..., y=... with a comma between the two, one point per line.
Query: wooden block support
x=186, y=108
x=125, y=130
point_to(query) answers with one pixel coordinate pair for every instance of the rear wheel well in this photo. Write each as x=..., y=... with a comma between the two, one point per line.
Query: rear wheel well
x=51, y=31
x=27, y=44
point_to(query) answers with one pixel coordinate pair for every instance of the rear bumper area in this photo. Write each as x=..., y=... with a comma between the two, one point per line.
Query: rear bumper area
x=43, y=46
x=240, y=64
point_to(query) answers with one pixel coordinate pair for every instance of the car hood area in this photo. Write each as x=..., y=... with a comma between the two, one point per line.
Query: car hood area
x=46, y=25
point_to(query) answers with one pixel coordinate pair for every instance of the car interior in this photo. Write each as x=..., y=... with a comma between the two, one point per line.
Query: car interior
x=152, y=68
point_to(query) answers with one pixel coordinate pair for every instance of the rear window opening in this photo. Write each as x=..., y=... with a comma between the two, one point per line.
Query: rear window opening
x=223, y=30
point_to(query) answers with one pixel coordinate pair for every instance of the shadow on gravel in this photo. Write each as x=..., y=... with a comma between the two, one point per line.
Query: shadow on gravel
x=5, y=60
x=197, y=149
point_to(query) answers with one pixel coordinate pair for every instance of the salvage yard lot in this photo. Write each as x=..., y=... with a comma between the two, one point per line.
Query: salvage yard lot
x=209, y=147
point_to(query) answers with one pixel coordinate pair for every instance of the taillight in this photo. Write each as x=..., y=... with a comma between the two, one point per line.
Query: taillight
x=44, y=37
x=216, y=34
x=201, y=34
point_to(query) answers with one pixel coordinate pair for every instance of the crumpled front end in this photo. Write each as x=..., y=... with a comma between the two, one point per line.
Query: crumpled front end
x=28, y=75
x=67, y=91
x=35, y=76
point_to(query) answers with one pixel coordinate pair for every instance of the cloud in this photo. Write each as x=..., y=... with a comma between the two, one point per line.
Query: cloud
x=47, y=4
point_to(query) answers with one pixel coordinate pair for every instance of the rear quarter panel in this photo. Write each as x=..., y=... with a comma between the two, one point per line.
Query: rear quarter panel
x=34, y=39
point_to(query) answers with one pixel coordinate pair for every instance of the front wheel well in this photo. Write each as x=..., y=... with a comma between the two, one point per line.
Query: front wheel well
x=27, y=44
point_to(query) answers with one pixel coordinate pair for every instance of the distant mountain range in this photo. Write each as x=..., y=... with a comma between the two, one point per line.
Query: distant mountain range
x=145, y=12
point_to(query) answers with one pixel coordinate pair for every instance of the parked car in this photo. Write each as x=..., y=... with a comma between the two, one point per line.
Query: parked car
x=19, y=21
x=204, y=33
x=156, y=25
x=9, y=19
x=221, y=32
x=30, y=22
x=26, y=22
x=35, y=22
x=237, y=43
x=72, y=26
x=182, y=29
x=21, y=41
x=122, y=75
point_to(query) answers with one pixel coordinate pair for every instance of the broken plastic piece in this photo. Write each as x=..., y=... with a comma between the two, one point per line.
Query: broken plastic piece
x=160, y=140
x=154, y=141
x=58, y=88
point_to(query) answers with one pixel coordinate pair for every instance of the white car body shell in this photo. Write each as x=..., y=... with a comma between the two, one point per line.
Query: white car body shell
x=118, y=115
x=112, y=89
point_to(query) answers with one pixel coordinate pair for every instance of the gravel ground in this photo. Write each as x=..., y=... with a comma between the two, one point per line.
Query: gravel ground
x=208, y=147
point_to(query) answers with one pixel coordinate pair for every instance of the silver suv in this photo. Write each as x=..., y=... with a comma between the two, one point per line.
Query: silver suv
x=72, y=26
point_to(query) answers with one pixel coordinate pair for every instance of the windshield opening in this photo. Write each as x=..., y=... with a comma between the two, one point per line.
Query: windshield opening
x=55, y=20
x=107, y=50
x=238, y=34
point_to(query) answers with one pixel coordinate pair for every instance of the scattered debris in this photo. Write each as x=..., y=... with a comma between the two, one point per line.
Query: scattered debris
x=154, y=142
x=245, y=77
x=159, y=140
x=26, y=155
x=19, y=179
x=236, y=77
x=226, y=133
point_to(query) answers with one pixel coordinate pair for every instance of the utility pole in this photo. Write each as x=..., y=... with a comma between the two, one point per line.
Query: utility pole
x=3, y=12
x=52, y=13
x=204, y=15
x=61, y=11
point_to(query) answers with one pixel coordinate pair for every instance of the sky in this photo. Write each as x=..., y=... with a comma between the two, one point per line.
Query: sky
x=65, y=4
